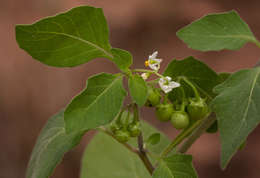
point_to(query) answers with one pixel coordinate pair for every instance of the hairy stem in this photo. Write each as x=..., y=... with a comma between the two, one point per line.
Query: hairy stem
x=141, y=151
x=206, y=123
x=197, y=95
x=143, y=156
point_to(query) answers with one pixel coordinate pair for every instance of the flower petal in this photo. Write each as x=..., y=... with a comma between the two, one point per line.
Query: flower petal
x=155, y=66
x=168, y=78
x=167, y=85
x=153, y=56
x=157, y=60
x=174, y=84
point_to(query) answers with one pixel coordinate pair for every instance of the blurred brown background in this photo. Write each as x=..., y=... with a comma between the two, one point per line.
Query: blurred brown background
x=31, y=92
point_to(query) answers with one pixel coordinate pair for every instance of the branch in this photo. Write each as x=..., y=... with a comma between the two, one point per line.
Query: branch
x=206, y=123
x=143, y=156
x=129, y=147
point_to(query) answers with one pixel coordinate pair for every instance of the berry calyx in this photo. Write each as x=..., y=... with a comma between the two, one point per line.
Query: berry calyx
x=180, y=120
x=122, y=135
x=114, y=127
x=164, y=112
x=134, y=129
x=197, y=109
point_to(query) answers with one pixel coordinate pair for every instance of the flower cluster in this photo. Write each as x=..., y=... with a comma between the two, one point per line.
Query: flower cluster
x=165, y=83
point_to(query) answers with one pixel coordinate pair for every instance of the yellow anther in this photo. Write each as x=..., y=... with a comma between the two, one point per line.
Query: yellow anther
x=146, y=63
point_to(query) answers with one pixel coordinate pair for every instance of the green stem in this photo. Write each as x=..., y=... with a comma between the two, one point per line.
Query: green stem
x=149, y=71
x=118, y=119
x=166, y=99
x=197, y=95
x=183, y=99
x=180, y=138
x=126, y=120
x=136, y=113
x=153, y=81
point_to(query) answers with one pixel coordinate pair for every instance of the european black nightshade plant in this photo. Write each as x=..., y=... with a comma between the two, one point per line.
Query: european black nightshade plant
x=188, y=93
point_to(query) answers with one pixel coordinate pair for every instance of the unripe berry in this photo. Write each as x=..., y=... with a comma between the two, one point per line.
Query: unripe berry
x=134, y=129
x=180, y=120
x=197, y=109
x=122, y=135
x=164, y=112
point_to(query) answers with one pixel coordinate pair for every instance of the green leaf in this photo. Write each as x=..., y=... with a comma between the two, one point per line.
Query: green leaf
x=176, y=166
x=67, y=39
x=224, y=76
x=97, y=105
x=237, y=109
x=257, y=64
x=50, y=147
x=216, y=32
x=114, y=160
x=138, y=89
x=154, y=139
x=204, y=78
x=123, y=59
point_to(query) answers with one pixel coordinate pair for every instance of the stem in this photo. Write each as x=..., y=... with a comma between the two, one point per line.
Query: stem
x=257, y=43
x=166, y=100
x=129, y=147
x=197, y=95
x=206, y=123
x=118, y=119
x=126, y=120
x=149, y=71
x=136, y=113
x=141, y=152
x=143, y=156
x=183, y=99
x=153, y=81
x=179, y=139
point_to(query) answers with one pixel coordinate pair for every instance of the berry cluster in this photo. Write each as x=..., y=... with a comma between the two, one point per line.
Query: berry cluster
x=181, y=114
x=125, y=126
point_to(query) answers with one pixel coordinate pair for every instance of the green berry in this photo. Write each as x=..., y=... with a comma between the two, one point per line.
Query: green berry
x=134, y=129
x=197, y=109
x=180, y=120
x=153, y=98
x=164, y=112
x=122, y=135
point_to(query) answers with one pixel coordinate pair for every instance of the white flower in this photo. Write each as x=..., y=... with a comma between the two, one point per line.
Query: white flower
x=145, y=76
x=153, y=62
x=167, y=85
